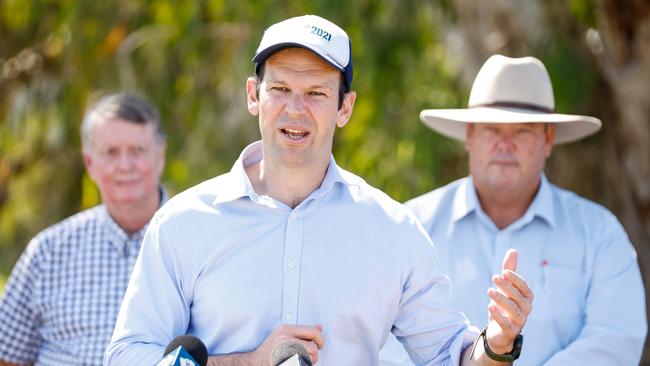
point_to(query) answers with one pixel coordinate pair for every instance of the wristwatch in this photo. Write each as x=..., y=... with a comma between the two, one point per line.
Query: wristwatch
x=507, y=357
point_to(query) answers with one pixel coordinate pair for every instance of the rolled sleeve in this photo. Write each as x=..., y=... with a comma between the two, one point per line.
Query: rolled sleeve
x=431, y=330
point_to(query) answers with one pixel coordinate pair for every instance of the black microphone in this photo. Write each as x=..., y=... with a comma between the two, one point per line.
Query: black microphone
x=290, y=353
x=185, y=350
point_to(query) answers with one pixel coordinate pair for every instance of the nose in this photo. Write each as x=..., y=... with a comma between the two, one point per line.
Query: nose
x=295, y=104
x=125, y=161
x=506, y=140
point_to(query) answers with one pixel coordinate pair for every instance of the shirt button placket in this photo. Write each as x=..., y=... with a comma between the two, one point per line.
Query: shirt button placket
x=291, y=273
x=501, y=246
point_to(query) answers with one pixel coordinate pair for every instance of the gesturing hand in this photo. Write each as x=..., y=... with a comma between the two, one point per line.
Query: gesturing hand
x=511, y=302
x=309, y=337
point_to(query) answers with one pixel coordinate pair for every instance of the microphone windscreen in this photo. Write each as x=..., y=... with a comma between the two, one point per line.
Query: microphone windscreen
x=192, y=345
x=286, y=350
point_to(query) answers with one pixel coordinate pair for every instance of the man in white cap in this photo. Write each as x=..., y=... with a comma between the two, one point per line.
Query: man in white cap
x=289, y=248
x=589, y=306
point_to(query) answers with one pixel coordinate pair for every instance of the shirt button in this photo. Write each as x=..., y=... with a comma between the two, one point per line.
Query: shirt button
x=291, y=264
x=288, y=316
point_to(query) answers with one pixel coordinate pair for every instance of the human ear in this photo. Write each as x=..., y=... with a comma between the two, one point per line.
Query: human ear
x=252, y=99
x=345, y=112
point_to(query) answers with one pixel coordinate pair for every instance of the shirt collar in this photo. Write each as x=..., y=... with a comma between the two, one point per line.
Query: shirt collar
x=114, y=231
x=542, y=205
x=239, y=185
x=466, y=201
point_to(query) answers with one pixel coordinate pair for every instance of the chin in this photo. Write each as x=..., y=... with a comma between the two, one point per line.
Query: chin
x=503, y=184
x=123, y=200
x=126, y=197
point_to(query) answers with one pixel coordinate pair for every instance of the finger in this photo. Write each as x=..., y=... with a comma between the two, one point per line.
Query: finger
x=506, y=288
x=520, y=283
x=508, y=329
x=304, y=332
x=301, y=331
x=510, y=260
x=507, y=333
x=508, y=307
x=316, y=338
x=308, y=346
x=312, y=349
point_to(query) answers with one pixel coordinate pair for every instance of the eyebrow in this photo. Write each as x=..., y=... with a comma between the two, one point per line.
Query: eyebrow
x=324, y=85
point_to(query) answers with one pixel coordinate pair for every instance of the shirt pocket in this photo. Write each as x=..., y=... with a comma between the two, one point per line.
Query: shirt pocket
x=564, y=293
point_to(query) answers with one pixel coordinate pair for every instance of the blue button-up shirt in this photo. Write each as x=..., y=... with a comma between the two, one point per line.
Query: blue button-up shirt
x=229, y=266
x=589, y=305
x=62, y=298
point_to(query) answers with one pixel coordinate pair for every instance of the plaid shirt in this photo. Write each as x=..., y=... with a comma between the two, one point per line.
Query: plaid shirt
x=64, y=293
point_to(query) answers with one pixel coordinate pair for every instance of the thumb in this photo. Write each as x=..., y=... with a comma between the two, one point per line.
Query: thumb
x=510, y=260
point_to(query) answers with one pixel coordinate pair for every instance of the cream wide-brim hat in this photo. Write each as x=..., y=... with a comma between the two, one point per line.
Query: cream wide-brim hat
x=511, y=90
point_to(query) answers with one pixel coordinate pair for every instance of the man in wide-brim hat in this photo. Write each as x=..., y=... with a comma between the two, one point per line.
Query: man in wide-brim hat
x=589, y=306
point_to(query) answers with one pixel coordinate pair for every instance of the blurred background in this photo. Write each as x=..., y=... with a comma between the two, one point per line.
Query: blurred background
x=191, y=58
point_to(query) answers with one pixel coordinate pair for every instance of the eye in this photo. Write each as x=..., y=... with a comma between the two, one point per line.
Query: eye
x=317, y=93
x=138, y=150
x=280, y=89
x=490, y=129
x=111, y=151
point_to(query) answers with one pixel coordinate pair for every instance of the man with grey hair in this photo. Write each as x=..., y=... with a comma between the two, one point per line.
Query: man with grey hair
x=64, y=293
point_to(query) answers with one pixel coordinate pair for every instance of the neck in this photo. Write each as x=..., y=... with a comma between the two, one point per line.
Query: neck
x=134, y=216
x=505, y=206
x=289, y=185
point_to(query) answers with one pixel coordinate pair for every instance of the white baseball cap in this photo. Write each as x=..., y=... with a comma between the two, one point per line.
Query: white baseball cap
x=311, y=32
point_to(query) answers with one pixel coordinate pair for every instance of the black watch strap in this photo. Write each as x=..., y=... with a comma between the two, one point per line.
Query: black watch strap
x=508, y=357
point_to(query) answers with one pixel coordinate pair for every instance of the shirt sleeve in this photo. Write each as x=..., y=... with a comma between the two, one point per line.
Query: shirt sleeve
x=19, y=338
x=615, y=317
x=155, y=308
x=431, y=330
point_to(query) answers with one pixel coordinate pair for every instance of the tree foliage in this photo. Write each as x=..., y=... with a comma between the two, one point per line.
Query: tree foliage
x=191, y=58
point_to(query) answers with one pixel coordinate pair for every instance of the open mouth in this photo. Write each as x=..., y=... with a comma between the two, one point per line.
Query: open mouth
x=294, y=134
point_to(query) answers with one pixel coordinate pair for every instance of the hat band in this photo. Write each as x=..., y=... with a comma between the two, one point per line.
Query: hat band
x=532, y=107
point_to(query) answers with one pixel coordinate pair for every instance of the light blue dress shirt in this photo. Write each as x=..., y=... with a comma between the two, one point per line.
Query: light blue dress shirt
x=229, y=266
x=589, y=304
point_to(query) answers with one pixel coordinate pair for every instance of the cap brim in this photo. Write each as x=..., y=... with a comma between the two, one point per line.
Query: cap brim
x=452, y=122
x=267, y=52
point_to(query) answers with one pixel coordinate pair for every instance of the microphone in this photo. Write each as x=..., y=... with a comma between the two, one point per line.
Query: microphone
x=290, y=354
x=185, y=350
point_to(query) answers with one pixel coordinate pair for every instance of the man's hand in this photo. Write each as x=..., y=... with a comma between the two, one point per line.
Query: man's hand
x=511, y=302
x=307, y=336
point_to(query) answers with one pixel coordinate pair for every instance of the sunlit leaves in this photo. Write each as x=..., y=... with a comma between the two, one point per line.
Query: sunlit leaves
x=191, y=58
